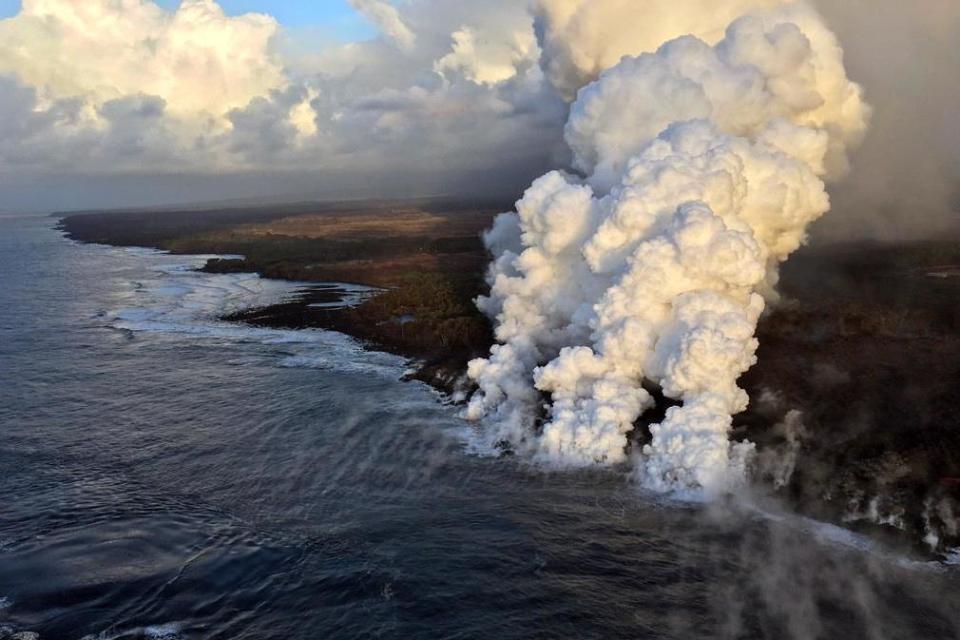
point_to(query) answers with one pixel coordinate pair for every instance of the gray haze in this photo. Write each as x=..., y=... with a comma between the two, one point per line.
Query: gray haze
x=906, y=177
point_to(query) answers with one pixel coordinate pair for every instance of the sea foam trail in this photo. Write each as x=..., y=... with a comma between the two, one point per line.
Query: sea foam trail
x=704, y=163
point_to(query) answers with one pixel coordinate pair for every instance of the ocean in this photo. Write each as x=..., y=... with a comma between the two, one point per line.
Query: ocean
x=164, y=474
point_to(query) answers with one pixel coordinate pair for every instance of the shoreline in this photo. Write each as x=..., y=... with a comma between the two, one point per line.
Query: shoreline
x=851, y=400
x=441, y=371
x=760, y=424
x=425, y=280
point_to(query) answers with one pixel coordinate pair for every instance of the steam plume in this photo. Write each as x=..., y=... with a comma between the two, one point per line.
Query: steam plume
x=704, y=162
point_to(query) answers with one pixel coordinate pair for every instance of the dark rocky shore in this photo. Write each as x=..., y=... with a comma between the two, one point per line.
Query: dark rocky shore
x=855, y=398
x=425, y=256
x=376, y=323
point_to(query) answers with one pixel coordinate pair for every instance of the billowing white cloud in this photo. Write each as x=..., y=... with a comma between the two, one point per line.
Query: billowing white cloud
x=387, y=18
x=489, y=58
x=197, y=59
x=213, y=93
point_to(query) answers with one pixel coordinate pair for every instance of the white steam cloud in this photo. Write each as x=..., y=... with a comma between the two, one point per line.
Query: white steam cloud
x=584, y=37
x=705, y=162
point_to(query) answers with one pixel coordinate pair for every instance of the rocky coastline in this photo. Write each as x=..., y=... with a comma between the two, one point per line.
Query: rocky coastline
x=856, y=394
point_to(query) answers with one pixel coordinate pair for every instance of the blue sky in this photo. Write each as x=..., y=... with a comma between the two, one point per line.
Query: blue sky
x=333, y=16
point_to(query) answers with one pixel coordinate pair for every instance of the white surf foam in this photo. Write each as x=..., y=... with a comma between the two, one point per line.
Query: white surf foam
x=169, y=295
x=167, y=631
x=163, y=632
x=351, y=295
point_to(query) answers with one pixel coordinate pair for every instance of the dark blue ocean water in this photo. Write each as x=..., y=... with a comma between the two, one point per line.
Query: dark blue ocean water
x=164, y=475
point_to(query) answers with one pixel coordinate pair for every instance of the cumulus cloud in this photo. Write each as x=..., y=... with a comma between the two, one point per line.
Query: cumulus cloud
x=212, y=93
x=486, y=60
x=196, y=58
x=386, y=17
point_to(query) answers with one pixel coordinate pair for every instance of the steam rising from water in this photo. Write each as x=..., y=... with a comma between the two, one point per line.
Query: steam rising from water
x=704, y=164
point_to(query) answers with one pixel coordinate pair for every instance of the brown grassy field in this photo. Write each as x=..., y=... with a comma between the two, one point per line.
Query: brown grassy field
x=399, y=222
